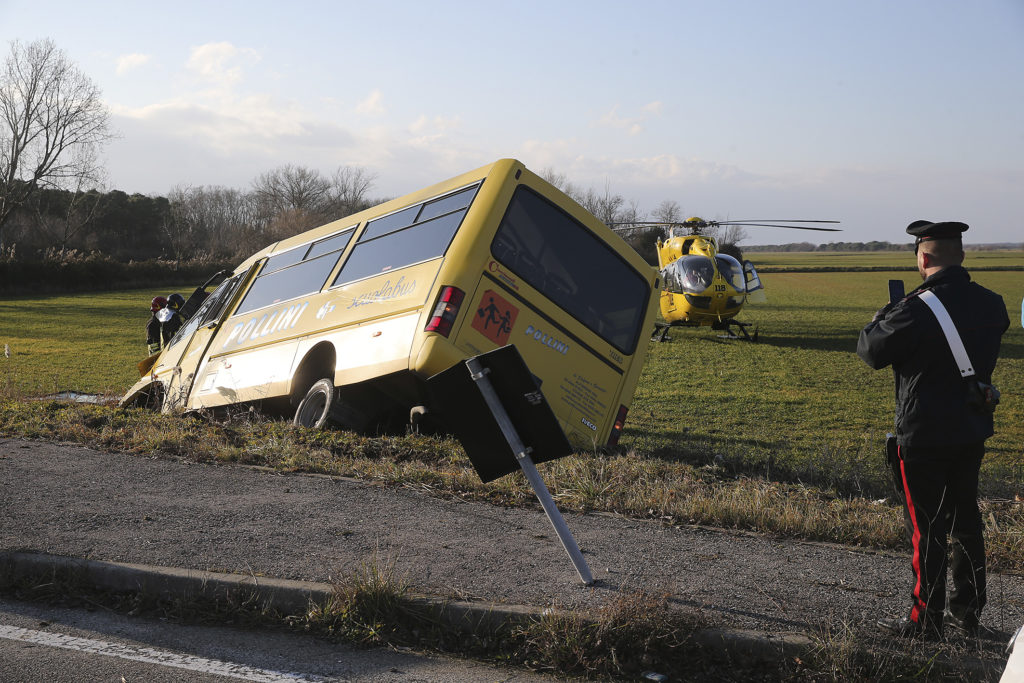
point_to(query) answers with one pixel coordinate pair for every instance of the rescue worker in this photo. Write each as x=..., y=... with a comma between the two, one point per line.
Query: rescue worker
x=153, y=326
x=170, y=318
x=940, y=428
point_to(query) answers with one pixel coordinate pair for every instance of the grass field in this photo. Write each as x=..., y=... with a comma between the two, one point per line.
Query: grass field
x=84, y=342
x=800, y=404
x=897, y=260
x=783, y=436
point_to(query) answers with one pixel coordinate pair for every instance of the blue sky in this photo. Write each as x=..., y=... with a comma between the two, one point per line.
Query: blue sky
x=874, y=113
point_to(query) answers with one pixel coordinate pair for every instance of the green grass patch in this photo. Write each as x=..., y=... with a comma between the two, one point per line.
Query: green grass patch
x=892, y=260
x=84, y=342
x=799, y=405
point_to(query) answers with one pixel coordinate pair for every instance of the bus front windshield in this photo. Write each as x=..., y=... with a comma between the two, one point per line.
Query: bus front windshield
x=572, y=267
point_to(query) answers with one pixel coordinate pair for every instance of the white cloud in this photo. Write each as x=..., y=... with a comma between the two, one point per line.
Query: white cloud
x=126, y=63
x=372, y=105
x=654, y=107
x=562, y=156
x=632, y=125
x=219, y=63
x=434, y=127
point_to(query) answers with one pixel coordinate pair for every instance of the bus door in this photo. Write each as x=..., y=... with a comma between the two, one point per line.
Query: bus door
x=195, y=336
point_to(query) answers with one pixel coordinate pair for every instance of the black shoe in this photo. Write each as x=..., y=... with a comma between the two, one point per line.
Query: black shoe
x=905, y=628
x=966, y=626
x=970, y=628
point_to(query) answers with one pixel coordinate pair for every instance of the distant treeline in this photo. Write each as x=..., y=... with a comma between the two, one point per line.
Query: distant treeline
x=190, y=223
x=75, y=272
x=831, y=246
x=869, y=246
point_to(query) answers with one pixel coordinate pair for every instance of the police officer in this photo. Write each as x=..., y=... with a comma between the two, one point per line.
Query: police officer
x=940, y=430
x=154, y=325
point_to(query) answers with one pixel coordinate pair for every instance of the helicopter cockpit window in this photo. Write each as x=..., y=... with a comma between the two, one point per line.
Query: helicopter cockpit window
x=690, y=275
x=732, y=271
x=572, y=267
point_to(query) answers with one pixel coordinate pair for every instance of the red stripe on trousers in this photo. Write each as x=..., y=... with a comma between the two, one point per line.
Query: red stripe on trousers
x=915, y=613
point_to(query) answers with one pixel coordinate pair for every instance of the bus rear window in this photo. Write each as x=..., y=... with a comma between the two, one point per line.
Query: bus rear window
x=565, y=261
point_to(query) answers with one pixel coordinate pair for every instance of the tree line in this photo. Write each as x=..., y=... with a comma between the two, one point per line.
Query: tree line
x=873, y=245
x=191, y=222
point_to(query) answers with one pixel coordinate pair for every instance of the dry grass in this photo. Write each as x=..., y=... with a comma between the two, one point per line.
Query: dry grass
x=671, y=492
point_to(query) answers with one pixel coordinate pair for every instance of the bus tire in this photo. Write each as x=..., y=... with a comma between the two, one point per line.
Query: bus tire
x=318, y=405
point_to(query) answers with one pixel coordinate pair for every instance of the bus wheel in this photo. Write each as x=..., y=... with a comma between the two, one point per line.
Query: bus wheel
x=315, y=409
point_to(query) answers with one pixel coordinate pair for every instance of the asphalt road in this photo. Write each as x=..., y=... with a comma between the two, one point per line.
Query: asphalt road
x=53, y=644
x=73, y=501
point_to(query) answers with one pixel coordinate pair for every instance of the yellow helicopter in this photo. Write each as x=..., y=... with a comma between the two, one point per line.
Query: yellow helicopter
x=700, y=285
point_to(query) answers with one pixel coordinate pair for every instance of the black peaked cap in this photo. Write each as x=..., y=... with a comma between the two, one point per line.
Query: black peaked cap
x=927, y=230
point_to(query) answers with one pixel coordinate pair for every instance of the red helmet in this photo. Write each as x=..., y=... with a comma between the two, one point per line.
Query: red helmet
x=157, y=303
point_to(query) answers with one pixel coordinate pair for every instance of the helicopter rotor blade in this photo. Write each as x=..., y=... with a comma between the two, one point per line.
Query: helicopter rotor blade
x=776, y=220
x=753, y=222
x=641, y=224
x=776, y=225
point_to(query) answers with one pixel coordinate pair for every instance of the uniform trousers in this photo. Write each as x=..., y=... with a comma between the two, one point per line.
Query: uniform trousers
x=940, y=488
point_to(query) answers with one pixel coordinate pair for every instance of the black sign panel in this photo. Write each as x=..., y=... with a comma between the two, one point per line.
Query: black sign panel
x=466, y=414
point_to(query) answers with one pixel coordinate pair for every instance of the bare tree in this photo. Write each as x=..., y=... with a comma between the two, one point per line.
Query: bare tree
x=291, y=188
x=732, y=234
x=295, y=198
x=668, y=212
x=211, y=221
x=561, y=181
x=291, y=199
x=607, y=207
x=348, y=193
x=52, y=124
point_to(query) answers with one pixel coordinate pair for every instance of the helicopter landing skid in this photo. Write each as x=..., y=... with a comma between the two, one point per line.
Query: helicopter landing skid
x=660, y=333
x=727, y=325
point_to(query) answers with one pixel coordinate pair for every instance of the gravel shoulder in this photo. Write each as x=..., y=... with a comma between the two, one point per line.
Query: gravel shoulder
x=73, y=501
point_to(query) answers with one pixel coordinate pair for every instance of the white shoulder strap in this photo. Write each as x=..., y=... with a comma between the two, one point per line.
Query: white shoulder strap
x=956, y=345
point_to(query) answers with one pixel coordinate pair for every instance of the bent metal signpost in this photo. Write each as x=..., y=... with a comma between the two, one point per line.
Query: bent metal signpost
x=492, y=404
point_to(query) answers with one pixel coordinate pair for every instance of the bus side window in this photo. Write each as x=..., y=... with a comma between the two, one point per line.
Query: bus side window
x=413, y=235
x=296, y=272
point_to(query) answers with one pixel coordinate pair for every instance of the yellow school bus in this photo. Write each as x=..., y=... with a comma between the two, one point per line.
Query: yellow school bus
x=345, y=322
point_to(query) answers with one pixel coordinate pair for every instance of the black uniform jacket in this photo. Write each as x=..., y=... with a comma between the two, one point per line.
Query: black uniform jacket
x=153, y=330
x=931, y=397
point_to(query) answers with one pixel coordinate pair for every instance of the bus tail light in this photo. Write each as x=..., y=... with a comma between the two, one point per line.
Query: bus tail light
x=620, y=422
x=445, y=311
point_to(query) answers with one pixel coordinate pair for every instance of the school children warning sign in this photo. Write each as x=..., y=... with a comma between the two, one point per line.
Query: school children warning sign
x=494, y=317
